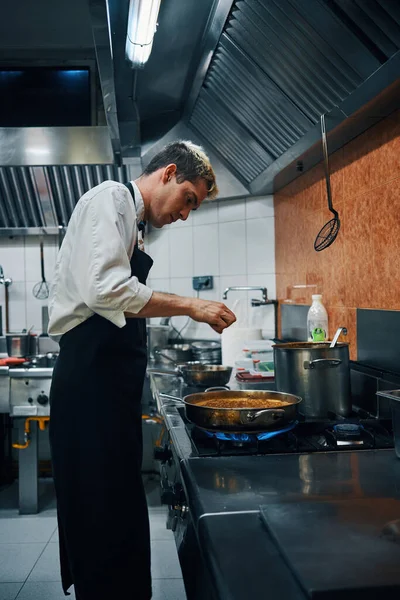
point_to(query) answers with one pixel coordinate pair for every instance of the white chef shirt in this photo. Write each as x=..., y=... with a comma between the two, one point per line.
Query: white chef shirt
x=93, y=273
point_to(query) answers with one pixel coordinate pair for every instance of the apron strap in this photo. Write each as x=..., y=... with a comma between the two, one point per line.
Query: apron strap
x=142, y=224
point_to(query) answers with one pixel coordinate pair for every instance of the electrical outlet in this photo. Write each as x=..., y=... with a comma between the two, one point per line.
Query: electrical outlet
x=203, y=283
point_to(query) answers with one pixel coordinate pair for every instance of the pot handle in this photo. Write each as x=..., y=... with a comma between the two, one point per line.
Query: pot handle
x=274, y=412
x=217, y=388
x=173, y=398
x=322, y=363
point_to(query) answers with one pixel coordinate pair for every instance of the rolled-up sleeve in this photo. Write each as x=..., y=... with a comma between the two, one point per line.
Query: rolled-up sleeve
x=100, y=260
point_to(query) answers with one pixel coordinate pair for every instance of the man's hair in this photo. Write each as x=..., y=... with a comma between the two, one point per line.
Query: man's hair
x=191, y=163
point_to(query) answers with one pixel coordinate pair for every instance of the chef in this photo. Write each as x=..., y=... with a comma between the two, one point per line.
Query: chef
x=98, y=304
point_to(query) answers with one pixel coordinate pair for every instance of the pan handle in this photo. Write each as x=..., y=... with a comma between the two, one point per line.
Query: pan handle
x=216, y=388
x=154, y=371
x=275, y=413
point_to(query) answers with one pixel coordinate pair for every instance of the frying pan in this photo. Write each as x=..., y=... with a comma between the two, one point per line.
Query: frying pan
x=258, y=411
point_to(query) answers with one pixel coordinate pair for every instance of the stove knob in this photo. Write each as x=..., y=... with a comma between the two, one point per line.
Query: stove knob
x=42, y=399
x=163, y=454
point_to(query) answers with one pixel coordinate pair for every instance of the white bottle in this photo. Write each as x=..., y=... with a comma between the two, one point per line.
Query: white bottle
x=317, y=320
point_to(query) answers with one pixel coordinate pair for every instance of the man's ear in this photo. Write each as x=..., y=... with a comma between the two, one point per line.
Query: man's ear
x=168, y=173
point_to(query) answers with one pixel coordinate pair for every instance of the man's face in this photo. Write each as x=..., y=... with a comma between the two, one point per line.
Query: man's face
x=173, y=201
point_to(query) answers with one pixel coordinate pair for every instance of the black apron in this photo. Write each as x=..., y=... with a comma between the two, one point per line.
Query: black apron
x=96, y=448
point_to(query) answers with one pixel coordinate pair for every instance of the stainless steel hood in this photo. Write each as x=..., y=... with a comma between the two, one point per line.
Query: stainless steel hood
x=279, y=65
x=248, y=79
x=40, y=199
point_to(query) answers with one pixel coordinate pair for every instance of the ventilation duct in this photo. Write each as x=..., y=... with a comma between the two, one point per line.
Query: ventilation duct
x=37, y=200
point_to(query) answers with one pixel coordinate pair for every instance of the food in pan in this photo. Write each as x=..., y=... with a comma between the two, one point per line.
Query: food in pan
x=236, y=403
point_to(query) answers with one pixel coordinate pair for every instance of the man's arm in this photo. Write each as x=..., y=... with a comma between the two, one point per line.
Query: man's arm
x=216, y=314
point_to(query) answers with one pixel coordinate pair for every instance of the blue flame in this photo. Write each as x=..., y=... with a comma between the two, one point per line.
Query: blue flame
x=248, y=437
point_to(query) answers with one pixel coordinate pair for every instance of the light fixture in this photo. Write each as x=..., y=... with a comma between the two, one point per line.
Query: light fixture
x=142, y=25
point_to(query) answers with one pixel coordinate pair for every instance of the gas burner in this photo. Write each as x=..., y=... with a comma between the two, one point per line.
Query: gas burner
x=242, y=438
x=349, y=434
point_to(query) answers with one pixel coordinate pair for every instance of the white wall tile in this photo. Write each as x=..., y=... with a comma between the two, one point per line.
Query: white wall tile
x=159, y=284
x=32, y=258
x=257, y=208
x=158, y=248
x=206, y=214
x=206, y=259
x=181, y=252
x=232, y=248
x=181, y=287
x=260, y=245
x=232, y=210
x=12, y=258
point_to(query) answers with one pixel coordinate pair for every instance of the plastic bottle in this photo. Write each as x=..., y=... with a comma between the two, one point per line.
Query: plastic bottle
x=317, y=320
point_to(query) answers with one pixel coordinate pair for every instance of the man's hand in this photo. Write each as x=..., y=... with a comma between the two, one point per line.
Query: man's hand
x=216, y=314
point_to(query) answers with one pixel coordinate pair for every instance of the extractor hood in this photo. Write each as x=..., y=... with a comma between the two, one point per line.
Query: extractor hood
x=278, y=65
x=248, y=79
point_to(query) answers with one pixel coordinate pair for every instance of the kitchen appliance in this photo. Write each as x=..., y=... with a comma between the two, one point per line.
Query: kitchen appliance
x=318, y=374
x=187, y=446
x=29, y=391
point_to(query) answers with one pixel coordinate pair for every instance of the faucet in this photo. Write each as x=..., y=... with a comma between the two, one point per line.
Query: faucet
x=246, y=288
x=256, y=302
x=3, y=280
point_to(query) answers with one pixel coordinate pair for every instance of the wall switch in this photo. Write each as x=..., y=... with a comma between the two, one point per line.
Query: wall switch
x=203, y=283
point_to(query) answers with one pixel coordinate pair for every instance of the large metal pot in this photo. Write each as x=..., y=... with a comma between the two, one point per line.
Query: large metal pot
x=251, y=418
x=317, y=373
x=18, y=344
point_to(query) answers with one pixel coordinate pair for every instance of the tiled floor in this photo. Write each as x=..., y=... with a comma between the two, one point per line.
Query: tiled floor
x=29, y=567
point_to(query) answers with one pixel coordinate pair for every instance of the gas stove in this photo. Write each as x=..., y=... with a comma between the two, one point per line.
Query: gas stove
x=356, y=433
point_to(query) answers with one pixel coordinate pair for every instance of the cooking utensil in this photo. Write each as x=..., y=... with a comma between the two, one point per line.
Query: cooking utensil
x=207, y=352
x=318, y=374
x=195, y=373
x=18, y=344
x=337, y=334
x=233, y=418
x=329, y=232
x=178, y=353
x=41, y=289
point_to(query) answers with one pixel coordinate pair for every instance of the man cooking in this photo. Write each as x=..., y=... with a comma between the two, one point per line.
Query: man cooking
x=98, y=305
